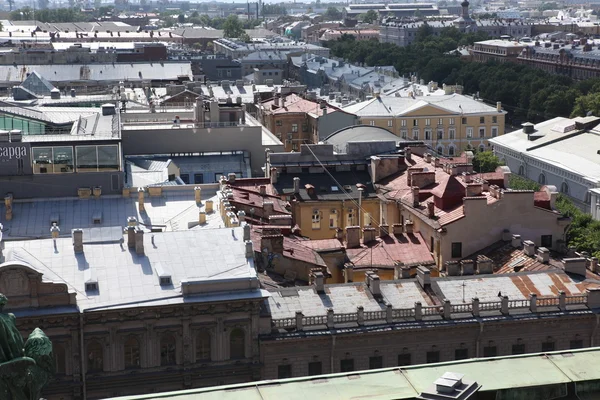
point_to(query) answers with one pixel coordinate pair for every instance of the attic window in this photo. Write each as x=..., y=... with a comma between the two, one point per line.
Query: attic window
x=334, y=189
x=91, y=286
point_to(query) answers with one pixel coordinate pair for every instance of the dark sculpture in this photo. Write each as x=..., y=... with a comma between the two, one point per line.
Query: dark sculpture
x=25, y=368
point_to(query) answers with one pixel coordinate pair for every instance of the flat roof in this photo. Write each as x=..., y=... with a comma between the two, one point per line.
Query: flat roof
x=497, y=373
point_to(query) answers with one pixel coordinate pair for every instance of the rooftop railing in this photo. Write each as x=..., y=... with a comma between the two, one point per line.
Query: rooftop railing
x=445, y=311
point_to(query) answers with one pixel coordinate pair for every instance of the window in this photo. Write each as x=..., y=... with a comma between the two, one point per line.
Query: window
x=451, y=151
x=404, y=134
x=315, y=368
x=403, y=123
x=415, y=134
x=461, y=354
x=284, y=371
x=351, y=212
x=316, y=219
x=237, y=344
x=542, y=179
x=440, y=121
x=564, y=188
x=432, y=357
x=347, y=365
x=494, y=131
x=440, y=134
x=521, y=170
x=427, y=122
x=97, y=158
x=404, y=359
x=167, y=349
x=198, y=178
x=333, y=219
x=294, y=128
x=451, y=133
x=481, y=132
x=547, y=241
x=203, y=346
x=278, y=123
x=494, y=120
x=490, y=351
x=518, y=348
x=375, y=362
x=390, y=123
x=372, y=123
x=228, y=73
x=481, y=148
x=132, y=352
x=456, y=249
x=482, y=120
x=427, y=134
x=95, y=357
x=415, y=122
x=451, y=121
x=49, y=160
x=60, y=358
x=440, y=150
x=547, y=346
x=576, y=344
x=464, y=120
x=469, y=133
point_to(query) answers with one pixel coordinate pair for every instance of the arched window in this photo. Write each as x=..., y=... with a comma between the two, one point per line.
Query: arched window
x=451, y=151
x=481, y=148
x=95, y=357
x=132, y=352
x=521, y=170
x=60, y=358
x=564, y=188
x=167, y=349
x=440, y=150
x=237, y=344
x=542, y=179
x=203, y=346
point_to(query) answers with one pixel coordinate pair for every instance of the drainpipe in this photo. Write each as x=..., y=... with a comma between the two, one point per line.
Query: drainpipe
x=82, y=356
x=332, y=352
x=479, y=339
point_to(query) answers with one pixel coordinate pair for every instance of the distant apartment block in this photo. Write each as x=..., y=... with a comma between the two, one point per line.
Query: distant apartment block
x=497, y=50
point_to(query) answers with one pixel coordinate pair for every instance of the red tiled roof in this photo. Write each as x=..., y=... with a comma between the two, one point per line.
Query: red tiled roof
x=324, y=244
x=253, y=184
x=542, y=199
x=296, y=104
x=388, y=251
x=449, y=217
x=449, y=186
x=294, y=247
x=256, y=200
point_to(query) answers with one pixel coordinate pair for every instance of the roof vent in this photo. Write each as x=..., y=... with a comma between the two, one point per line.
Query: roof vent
x=528, y=128
x=451, y=385
x=164, y=276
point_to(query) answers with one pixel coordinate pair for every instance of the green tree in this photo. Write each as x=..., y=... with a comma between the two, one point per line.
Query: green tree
x=232, y=27
x=332, y=14
x=485, y=161
x=369, y=17
x=589, y=103
x=181, y=18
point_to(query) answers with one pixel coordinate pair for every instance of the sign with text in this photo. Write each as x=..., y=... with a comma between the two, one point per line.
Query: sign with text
x=15, y=158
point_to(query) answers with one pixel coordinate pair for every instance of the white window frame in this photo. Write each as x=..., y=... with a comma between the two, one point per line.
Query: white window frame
x=451, y=133
x=333, y=218
x=316, y=219
x=390, y=123
x=494, y=131
x=469, y=132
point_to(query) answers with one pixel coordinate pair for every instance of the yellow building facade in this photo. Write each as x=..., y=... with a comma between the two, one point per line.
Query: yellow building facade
x=448, y=123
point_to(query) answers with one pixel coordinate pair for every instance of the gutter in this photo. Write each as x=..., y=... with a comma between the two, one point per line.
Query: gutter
x=82, y=358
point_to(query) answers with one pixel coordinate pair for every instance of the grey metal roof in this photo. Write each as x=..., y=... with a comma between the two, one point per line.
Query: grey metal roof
x=360, y=133
x=325, y=187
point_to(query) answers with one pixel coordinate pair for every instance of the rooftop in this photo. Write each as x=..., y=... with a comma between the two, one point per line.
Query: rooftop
x=297, y=104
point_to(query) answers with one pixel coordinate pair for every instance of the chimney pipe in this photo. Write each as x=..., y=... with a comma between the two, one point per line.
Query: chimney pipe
x=141, y=199
x=430, y=209
x=262, y=190
x=415, y=195
x=499, y=106
x=8, y=201
x=352, y=237
x=77, y=240
x=139, y=241
x=296, y=185
x=319, y=280
x=198, y=194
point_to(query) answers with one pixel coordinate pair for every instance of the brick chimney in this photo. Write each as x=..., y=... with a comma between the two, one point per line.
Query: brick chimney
x=467, y=267
x=384, y=230
x=198, y=194
x=428, y=158
x=369, y=234
x=77, y=240
x=516, y=241
x=430, y=209
x=543, y=255
x=575, y=265
x=473, y=189
x=319, y=282
x=268, y=207
x=231, y=177
x=141, y=207
x=415, y=196
x=408, y=227
x=139, y=241
x=408, y=154
x=352, y=237
x=262, y=189
x=485, y=265
x=422, y=179
x=274, y=176
x=397, y=229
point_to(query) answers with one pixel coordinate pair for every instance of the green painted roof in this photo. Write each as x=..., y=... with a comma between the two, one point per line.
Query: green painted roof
x=528, y=370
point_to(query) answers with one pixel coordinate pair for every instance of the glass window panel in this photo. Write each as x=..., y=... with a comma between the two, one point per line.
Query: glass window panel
x=17, y=124
x=42, y=160
x=108, y=158
x=87, y=160
x=63, y=159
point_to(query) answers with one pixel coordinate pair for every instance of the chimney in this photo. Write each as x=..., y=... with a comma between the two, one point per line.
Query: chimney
x=262, y=190
x=436, y=162
x=273, y=176
x=543, y=255
x=141, y=200
x=467, y=267
x=310, y=189
x=268, y=207
x=368, y=234
x=231, y=177
x=8, y=202
x=499, y=106
x=397, y=229
x=201, y=218
x=474, y=189
x=594, y=264
x=246, y=229
x=276, y=100
x=529, y=248
x=198, y=194
x=352, y=237
x=485, y=265
x=452, y=268
x=241, y=215
x=209, y=206
x=575, y=265
x=415, y=196
x=296, y=185
x=466, y=177
x=430, y=209
x=423, y=276
x=408, y=227
x=428, y=158
x=139, y=241
x=249, y=249
x=408, y=154
x=516, y=241
x=77, y=240
x=384, y=230
x=373, y=283
x=319, y=281
x=272, y=243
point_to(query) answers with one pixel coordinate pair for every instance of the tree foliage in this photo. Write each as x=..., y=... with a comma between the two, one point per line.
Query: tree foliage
x=485, y=161
x=369, y=17
x=332, y=14
x=232, y=27
x=583, y=233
